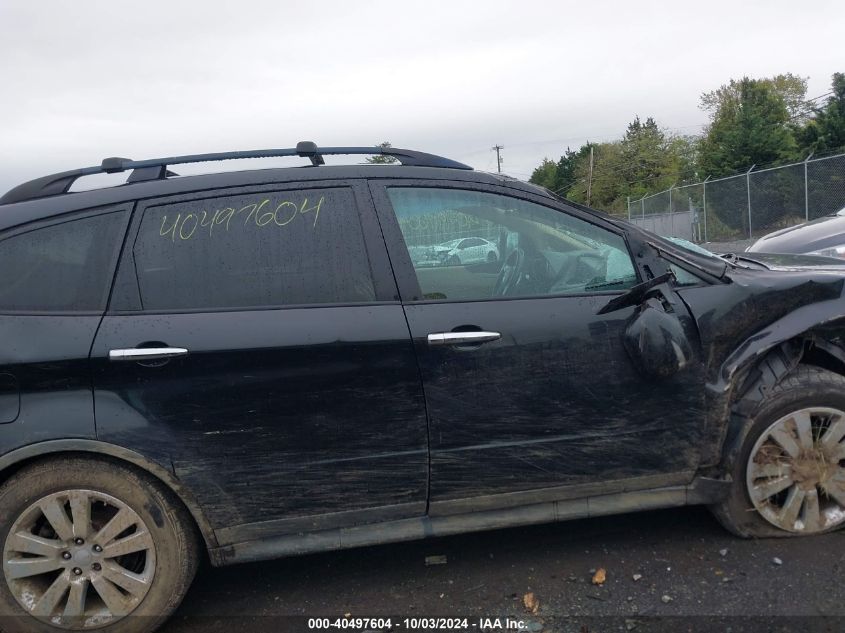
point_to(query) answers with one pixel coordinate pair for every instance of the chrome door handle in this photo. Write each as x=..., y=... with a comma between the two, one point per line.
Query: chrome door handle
x=146, y=353
x=462, y=338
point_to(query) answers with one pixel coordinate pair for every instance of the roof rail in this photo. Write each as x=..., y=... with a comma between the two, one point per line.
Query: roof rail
x=156, y=168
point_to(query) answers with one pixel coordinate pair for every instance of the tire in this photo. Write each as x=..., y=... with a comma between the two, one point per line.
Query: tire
x=163, y=552
x=808, y=398
x=453, y=260
x=492, y=258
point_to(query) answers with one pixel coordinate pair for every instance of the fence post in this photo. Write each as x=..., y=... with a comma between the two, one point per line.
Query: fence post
x=671, y=217
x=748, y=190
x=629, y=208
x=704, y=205
x=806, y=190
x=642, y=202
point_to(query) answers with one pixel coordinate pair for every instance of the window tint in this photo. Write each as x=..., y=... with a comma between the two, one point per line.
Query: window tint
x=520, y=248
x=251, y=250
x=65, y=267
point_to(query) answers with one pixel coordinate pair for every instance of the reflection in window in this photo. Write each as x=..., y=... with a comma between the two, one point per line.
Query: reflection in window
x=472, y=245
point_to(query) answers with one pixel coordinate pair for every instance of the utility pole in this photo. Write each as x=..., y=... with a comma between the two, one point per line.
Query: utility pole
x=497, y=149
x=590, y=180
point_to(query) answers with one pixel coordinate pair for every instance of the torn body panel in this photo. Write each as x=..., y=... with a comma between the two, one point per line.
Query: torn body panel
x=743, y=321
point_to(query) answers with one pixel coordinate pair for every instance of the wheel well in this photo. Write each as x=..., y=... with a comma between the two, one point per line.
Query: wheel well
x=768, y=371
x=824, y=357
x=772, y=367
x=198, y=520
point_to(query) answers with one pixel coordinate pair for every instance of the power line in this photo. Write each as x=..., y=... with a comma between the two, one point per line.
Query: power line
x=807, y=108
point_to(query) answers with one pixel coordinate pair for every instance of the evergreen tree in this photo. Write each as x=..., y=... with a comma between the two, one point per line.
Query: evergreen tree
x=825, y=132
x=381, y=159
x=545, y=174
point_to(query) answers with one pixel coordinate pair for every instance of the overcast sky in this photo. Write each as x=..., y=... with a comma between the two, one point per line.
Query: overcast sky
x=85, y=80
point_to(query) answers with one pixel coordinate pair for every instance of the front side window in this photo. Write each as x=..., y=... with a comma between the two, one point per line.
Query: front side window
x=64, y=267
x=468, y=245
x=253, y=250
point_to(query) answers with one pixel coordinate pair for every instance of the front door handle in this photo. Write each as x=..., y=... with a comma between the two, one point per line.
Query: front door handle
x=462, y=338
x=146, y=353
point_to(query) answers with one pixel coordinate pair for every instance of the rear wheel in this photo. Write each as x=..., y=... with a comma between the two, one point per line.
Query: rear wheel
x=789, y=474
x=91, y=544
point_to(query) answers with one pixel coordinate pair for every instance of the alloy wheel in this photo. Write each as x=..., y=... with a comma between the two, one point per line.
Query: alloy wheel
x=795, y=474
x=79, y=559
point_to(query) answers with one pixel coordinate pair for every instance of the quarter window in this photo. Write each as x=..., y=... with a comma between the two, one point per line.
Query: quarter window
x=474, y=245
x=65, y=267
x=253, y=250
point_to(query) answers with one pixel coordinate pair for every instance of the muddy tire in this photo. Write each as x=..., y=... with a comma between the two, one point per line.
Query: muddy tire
x=789, y=471
x=90, y=544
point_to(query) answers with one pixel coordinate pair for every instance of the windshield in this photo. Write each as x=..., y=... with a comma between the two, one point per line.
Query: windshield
x=690, y=246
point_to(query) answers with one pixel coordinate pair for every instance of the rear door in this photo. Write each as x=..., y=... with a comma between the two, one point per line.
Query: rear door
x=530, y=391
x=55, y=276
x=255, y=339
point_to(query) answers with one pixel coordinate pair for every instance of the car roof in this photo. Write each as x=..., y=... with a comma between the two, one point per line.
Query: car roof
x=38, y=200
x=45, y=207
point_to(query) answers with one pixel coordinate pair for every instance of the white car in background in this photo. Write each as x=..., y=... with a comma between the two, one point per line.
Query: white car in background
x=466, y=250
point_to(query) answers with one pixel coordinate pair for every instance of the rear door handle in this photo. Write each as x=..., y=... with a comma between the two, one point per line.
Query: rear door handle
x=146, y=353
x=462, y=338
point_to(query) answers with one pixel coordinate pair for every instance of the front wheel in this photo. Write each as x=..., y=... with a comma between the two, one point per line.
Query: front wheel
x=789, y=473
x=91, y=544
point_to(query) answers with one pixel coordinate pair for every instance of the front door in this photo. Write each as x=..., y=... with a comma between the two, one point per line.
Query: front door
x=255, y=341
x=527, y=387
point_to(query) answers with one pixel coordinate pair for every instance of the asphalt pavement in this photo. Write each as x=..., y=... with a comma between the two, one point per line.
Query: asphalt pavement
x=674, y=570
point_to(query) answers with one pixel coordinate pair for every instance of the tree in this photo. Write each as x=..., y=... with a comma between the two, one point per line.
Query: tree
x=607, y=185
x=381, y=159
x=791, y=88
x=565, y=176
x=646, y=162
x=544, y=175
x=826, y=130
x=560, y=177
x=645, y=159
x=749, y=125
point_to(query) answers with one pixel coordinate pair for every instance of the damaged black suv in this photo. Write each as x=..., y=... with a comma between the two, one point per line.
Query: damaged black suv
x=261, y=363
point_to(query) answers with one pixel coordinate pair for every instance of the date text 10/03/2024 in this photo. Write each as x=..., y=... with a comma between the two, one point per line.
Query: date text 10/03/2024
x=483, y=625
x=260, y=213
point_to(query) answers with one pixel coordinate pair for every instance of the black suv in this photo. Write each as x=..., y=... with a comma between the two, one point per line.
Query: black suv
x=263, y=363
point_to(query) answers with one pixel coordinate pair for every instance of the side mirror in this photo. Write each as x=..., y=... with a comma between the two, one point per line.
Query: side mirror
x=655, y=340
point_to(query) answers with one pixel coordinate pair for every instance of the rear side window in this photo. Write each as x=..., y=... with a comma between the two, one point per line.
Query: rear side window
x=64, y=267
x=253, y=250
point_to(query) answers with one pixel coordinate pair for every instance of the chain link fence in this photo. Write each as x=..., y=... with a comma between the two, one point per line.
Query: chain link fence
x=746, y=206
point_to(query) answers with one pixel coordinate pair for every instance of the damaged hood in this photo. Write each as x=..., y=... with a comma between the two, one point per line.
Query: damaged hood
x=789, y=262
